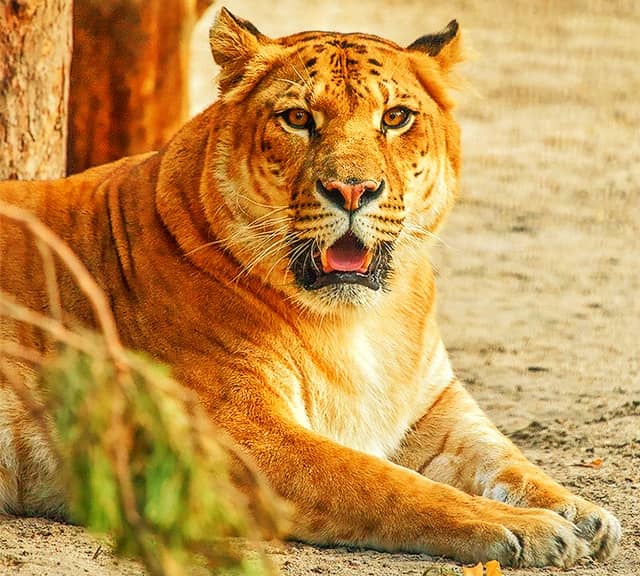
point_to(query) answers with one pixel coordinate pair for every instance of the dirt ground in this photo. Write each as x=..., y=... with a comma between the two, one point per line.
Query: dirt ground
x=538, y=266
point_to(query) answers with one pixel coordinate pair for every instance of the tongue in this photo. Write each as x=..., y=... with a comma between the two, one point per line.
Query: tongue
x=347, y=255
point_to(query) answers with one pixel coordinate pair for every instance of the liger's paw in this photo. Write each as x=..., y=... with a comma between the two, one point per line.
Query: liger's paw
x=546, y=539
x=597, y=526
x=522, y=537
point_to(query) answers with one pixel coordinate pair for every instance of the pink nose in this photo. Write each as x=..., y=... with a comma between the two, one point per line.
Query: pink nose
x=351, y=192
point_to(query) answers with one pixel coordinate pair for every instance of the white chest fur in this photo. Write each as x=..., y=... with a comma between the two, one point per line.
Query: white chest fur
x=365, y=393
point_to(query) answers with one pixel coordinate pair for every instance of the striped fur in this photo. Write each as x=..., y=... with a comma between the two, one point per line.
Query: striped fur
x=344, y=395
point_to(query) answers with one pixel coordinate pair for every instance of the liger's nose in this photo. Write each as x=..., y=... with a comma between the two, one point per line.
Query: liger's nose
x=350, y=194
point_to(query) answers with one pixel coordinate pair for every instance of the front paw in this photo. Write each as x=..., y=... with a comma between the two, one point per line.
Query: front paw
x=540, y=538
x=597, y=526
x=527, y=486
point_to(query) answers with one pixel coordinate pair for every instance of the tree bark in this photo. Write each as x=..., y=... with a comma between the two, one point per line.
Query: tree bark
x=35, y=54
x=129, y=91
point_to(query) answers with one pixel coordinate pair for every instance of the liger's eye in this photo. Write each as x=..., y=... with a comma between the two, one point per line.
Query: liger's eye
x=298, y=118
x=396, y=118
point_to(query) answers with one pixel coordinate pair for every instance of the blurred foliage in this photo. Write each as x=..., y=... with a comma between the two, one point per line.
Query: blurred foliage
x=139, y=456
x=143, y=464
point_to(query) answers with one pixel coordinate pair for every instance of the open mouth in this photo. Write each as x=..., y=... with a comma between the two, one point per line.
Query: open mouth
x=347, y=261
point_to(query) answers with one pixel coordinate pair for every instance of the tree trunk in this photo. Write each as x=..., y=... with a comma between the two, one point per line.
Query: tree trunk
x=35, y=53
x=129, y=73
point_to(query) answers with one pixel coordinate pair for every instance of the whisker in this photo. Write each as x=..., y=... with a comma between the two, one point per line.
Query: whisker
x=240, y=233
x=304, y=80
x=309, y=81
x=292, y=82
x=266, y=219
x=256, y=241
x=262, y=242
x=202, y=247
x=314, y=245
x=261, y=204
x=288, y=238
x=417, y=229
x=270, y=248
x=300, y=250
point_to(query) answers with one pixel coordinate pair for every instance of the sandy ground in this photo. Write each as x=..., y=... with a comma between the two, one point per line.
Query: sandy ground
x=538, y=267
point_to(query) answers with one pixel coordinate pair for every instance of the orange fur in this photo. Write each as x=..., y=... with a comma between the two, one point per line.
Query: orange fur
x=210, y=252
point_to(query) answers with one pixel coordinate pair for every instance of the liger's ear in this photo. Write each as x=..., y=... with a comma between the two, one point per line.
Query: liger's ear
x=234, y=42
x=444, y=46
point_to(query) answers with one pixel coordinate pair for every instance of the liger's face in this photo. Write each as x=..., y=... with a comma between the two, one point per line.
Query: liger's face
x=345, y=159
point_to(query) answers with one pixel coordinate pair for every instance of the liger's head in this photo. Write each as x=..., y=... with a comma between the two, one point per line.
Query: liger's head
x=337, y=156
